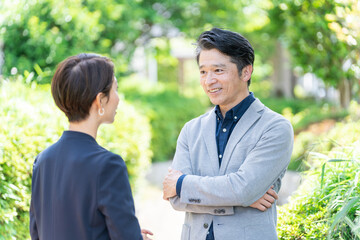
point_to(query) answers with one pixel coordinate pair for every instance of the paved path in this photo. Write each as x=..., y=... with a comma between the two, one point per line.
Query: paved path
x=157, y=215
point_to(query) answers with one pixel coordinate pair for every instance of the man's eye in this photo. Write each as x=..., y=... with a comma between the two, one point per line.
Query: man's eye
x=202, y=72
x=219, y=70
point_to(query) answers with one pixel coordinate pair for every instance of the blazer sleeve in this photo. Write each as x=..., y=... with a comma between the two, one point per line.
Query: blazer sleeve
x=33, y=226
x=182, y=163
x=115, y=200
x=263, y=166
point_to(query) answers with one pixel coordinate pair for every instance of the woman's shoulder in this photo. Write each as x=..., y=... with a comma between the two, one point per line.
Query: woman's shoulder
x=107, y=157
x=46, y=153
x=111, y=155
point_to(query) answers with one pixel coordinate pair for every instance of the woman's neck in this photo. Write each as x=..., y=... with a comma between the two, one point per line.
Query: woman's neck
x=87, y=126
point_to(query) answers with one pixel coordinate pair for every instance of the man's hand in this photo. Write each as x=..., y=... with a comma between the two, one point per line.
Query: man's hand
x=265, y=201
x=144, y=234
x=169, y=183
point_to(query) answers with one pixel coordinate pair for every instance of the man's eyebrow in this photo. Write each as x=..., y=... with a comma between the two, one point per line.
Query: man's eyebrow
x=214, y=65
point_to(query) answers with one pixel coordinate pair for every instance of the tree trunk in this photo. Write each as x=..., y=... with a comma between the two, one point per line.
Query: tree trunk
x=181, y=72
x=283, y=78
x=345, y=92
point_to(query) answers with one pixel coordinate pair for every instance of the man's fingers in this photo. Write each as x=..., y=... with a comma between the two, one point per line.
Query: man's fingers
x=272, y=193
x=165, y=197
x=269, y=198
x=261, y=207
x=265, y=203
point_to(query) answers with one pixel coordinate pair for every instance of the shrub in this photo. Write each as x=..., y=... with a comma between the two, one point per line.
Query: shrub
x=327, y=205
x=30, y=123
x=167, y=109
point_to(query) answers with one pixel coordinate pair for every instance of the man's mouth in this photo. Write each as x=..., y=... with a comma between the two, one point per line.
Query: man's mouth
x=214, y=90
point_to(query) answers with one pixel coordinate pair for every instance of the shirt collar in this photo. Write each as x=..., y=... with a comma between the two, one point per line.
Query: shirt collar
x=236, y=112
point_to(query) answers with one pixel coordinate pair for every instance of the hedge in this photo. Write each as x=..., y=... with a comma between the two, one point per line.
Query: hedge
x=30, y=123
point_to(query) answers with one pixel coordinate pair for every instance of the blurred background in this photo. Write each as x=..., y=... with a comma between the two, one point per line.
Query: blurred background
x=307, y=68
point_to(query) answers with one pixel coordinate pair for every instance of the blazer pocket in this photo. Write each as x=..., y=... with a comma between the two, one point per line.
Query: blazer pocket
x=185, y=233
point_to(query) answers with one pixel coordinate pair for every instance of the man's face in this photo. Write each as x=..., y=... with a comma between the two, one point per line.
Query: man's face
x=220, y=79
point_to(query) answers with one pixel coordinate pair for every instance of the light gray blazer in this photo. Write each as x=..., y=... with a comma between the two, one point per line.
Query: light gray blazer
x=255, y=158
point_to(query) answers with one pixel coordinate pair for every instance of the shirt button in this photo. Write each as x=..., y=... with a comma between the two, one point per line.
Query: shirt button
x=235, y=117
x=220, y=156
x=224, y=129
x=206, y=225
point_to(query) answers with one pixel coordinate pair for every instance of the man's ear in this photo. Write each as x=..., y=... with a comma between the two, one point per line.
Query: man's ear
x=246, y=73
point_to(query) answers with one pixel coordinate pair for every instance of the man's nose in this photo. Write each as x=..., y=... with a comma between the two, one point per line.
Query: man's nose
x=210, y=78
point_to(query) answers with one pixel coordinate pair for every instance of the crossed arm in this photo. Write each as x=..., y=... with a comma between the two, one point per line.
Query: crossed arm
x=249, y=186
x=169, y=188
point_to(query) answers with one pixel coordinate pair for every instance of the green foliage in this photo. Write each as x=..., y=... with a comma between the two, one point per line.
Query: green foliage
x=321, y=36
x=327, y=205
x=167, y=110
x=332, y=210
x=30, y=123
x=38, y=34
x=44, y=32
x=322, y=39
x=311, y=41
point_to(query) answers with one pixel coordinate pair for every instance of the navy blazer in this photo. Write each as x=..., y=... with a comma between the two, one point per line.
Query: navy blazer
x=81, y=191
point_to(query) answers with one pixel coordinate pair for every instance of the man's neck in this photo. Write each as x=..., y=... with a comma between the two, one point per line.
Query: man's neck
x=224, y=109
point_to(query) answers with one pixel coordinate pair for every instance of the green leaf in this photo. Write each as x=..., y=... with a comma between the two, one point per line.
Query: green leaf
x=341, y=215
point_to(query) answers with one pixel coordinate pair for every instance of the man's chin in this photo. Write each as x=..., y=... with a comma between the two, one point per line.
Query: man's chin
x=214, y=101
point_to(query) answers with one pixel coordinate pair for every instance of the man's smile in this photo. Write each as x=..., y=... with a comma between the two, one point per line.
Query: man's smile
x=214, y=90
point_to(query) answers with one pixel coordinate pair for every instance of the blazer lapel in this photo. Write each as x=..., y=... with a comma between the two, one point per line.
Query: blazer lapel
x=208, y=128
x=246, y=121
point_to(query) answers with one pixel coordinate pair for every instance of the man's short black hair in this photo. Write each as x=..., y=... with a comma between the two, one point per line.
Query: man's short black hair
x=232, y=44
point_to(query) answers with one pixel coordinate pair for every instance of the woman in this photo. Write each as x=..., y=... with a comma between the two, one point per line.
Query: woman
x=79, y=189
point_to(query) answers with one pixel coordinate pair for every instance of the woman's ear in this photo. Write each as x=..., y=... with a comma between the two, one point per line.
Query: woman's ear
x=98, y=104
x=246, y=73
x=98, y=100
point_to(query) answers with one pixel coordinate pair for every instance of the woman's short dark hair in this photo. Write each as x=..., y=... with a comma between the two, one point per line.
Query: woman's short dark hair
x=78, y=80
x=232, y=44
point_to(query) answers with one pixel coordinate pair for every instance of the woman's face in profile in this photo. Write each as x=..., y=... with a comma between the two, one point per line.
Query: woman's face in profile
x=111, y=105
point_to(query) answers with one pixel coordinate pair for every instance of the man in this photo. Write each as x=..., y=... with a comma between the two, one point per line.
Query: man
x=230, y=161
